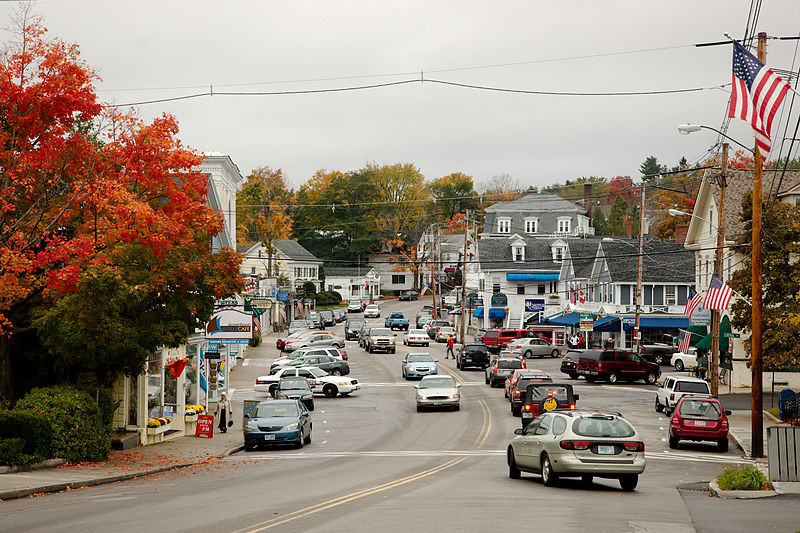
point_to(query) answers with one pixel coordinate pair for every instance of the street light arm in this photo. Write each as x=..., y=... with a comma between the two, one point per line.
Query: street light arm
x=686, y=129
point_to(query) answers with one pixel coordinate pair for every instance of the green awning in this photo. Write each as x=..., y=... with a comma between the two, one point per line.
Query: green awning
x=705, y=342
x=697, y=332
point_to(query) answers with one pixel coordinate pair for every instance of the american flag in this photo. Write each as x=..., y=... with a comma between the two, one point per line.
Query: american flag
x=718, y=295
x=283, y=313
x=573, y=297
x=256, y=322
x=424, y=290
x=756, y=95
x=683, y=342
x=692, y=302
x=249, y=285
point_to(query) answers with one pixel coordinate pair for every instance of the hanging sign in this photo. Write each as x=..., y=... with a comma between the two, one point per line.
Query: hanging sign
x=205, y=426
x=230, y=324
x=283, y=296
x=534, y=305
x=587, y=322
x=261, y=303
x=499, y=300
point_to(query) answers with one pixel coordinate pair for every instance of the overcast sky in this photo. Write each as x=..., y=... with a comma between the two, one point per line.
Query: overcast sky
x=177, y=48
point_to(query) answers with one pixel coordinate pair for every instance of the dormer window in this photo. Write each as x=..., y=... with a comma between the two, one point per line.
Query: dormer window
x=504, y=225
x=518, y=252
x=558, y=253
x=531, y=225
x=564, y=224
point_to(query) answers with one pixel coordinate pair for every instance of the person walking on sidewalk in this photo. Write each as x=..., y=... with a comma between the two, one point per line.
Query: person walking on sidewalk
x=225, y=413
x=450, y=343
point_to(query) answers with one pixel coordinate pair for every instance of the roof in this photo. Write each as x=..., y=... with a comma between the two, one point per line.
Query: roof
x=346, y=271
x=663, y=261
x=547, y=208
x=582, y=253
x=293, y=250
x=495, y=254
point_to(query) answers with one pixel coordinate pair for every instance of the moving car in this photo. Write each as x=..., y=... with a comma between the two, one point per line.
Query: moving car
x=444, y=333
x=352, y=327
x=542, y=397
x=673, y=389
x=434, y=325
x=517, y=394
x=332, y=365
x=372, y=311
x=327, y=318
x=396, y=320
x=269, y=384
x=421, y=318
x=531, y=346
x=511, y=380
x=295, y=388
x=471, y=354
x=613, y=365
x=438, y=391
x=699, y=419
x=320, y=381
x=569, y=364
x=657, y=353
x=502, y=369
x=498, y=339
x=320, y=338
x=362, y=335
x=380, y=339
x=354, y=306
x=409, y=295
x=581, y=444
x=417, y=365
x=417, y=336
x=277, y=422
x=681, y=361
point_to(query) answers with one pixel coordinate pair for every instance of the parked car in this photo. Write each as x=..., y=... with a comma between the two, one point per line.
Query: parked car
x=332, y=365
x=422, y=317
x=657, y=353
x=372, y=311
x=288, y=360
x=296, y=326
x=417, y=336
x=479, y=335
x=365, y=301
x=327, y=318
x=670, y=392
x=396, y=320
x=613, y=365
x=409, y=295
x=517, y=394
x=434, y=325
x=498, y=339
x=269, y=384
x=380, y=339
x=445, y=332
x=351, y=328
x=501, y=369
x=438, y=391
x=277, y=422
x=569, y=364
x=583, y=444
x=354, y=306
x=417, y=365
x=316, y=320
x=699, y=419
x=681, y=361
x=531, y=346
x=295, y=388
x=542, y=397
x=320, y=338
x=319, y=380
x=471, y=354
x=338, y=315
x=281, y=342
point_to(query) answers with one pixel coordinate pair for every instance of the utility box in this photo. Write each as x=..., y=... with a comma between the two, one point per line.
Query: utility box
x=783, y=453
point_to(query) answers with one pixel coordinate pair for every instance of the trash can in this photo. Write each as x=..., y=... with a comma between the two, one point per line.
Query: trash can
x=783, y=453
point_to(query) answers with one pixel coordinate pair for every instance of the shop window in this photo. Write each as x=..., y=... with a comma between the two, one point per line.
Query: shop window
x=670, y=296
x=155, y=385
x=190, y=375
x=520, y=289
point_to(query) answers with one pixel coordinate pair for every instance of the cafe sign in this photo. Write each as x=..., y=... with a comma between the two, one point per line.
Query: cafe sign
x=230, y=324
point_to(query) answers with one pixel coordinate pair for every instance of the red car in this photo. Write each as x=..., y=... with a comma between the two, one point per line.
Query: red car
x=699, y=419
x=498, y=339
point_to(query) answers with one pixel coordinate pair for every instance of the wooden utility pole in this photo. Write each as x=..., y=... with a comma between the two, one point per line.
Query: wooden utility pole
x=757, y=424
x=433, y=276
x=715, y=313
x=464, y=278
x=636, y=330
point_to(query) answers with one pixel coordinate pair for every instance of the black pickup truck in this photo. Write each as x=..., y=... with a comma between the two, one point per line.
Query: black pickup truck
x=657, y=353
x=472, y=355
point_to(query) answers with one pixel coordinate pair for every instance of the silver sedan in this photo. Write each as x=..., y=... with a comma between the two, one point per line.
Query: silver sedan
x=438, y=391
x=533, y=346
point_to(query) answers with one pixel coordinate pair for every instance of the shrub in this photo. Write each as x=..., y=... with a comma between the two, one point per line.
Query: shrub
x=256, y=340
x=79, y=432
x=336, y=297
x=745, y=477
x=10, y=451
x=35, y=431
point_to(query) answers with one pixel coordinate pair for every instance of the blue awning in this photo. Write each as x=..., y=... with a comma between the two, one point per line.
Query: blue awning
x=606, y=323
x=570, y=319
x=658, y=322
x=497, y=312
x=532, y=276
x=478, y=312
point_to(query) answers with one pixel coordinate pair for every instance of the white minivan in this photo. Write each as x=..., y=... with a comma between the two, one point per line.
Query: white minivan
x=673, y=389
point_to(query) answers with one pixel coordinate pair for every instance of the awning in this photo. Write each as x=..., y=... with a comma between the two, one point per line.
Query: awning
x=724, y=328
x=532, y=276
x=478, y=312
x=607, y=323
x=497, y=312
x=660, y=322
x=570, y=319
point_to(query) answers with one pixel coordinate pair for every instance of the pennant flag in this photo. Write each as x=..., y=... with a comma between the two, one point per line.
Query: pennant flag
x=692, y=302
x=718, y=295
x=756, y=95
x=683, y=342
x=176, y=367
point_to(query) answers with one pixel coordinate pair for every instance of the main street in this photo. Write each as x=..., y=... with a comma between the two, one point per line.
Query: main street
x=375, y=463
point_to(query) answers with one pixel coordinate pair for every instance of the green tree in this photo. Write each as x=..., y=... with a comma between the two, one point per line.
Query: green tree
x=651, y=168
x=600, y=222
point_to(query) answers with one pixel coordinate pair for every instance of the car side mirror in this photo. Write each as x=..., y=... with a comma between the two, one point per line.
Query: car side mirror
x=247, y=415
x=416, y=386
x=518, y=431
x=435, y=360
x=458, y=385
x=577, y=397
x=727, y=412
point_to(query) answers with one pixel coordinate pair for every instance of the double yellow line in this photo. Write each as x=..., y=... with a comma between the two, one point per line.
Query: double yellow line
x=302, y=513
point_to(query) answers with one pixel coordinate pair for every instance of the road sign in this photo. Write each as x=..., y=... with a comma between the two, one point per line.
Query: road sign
x=261, y=303
x=731, y=335
x=283, y=296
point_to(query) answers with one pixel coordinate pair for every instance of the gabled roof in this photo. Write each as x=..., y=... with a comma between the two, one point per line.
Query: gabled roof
x=582, y=253
x=663, y=261
x=346, y=271
x=496, y=254
x=537, y=203
x=294, y=250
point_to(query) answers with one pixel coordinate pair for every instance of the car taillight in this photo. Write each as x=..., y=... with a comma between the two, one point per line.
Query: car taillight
x=495, y=367
x=633, y=446
x=516, y=394
x=672, y=397
x=345, y=363
x=574, y=444
x=725, y=422
x=523, y=363
x=572, y=406
x=527, y=407
x=676, y=421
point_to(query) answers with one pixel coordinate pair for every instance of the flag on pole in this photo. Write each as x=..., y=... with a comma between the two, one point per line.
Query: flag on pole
x=573, y=297
x=283, y=313
x=256, y=323
x=683, y=342
x=692, y=302
x=424, y=290
x=718, y=295
x=756, y=95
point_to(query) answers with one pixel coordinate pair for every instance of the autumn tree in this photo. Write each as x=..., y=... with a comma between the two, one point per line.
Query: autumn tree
x=622, y=187
x=498, y=188
x=600, y=222
x=453, y=194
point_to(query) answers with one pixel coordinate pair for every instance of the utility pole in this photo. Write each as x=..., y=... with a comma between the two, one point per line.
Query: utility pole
x=636, y=331
x=433, y=278
x=715, y=313
x=464, y=278
x=757, y=424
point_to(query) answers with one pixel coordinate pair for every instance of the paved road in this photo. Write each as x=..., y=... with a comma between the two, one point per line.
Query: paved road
x=375, y=463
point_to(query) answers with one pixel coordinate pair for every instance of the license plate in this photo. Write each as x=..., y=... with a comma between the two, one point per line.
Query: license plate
x=437, y=403
x=269, y=437
x=605, y=450
x=700, y=423
x=527, y=415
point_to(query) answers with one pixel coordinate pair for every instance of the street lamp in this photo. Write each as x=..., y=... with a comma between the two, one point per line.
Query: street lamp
x=686, y=129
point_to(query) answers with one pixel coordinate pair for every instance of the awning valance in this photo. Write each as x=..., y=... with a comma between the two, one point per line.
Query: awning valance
x=497, y=312
x=532, y=276
x=570, y=319
x=606, y=323
x=478, y=312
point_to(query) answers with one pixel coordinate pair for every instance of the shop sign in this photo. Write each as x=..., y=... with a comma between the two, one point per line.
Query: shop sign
x=587, y=323
x=534, y=305
x=499, y=300
x=228, y=302
x=283, y=296
x=205, y=426
x=261, y=303
x=475, y=302
x=216, y=343
x=700, y=317
x=230, y=324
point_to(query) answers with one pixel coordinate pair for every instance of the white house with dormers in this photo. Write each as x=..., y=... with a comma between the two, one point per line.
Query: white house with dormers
x=288, y=258
x=536, y=215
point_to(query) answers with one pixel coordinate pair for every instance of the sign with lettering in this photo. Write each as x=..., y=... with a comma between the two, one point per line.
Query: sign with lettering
x=587, y=322
x=261, y=303
x=283, y=296
x=534, y=305
x=499, y=300
x=205, y=426
x=230, y=324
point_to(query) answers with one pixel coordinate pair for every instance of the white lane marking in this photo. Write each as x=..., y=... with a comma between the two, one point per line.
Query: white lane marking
x=246, y=362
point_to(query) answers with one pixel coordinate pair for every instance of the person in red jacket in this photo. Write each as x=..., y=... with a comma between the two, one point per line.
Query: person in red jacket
x=450, y=342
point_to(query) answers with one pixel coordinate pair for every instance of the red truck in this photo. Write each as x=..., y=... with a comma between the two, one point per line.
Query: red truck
x=496, y=340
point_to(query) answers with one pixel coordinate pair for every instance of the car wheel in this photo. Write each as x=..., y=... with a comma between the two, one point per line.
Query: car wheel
x=307, y=440
x=528, y=354
x=612, y=377
x=272, y=389
x=554, y=353
x=723, y=445
x=628, y=482
x=573, y=376
x=679, y=365
x=457, y=407
x=311, y=406
x=591, y=379
x=369, y=349
x=549, y=478
x=330, y=391
x=419, y=408
x=659, y=407
x=249, y=447
x=587, y=478
x=651, y=378
x=673, y=442
x=394, y=350
x=336, y=372
x=658, y=359
x=515, y=410
x=513, y=471
x=299, y=443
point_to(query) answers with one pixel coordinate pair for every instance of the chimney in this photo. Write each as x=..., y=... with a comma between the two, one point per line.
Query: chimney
x=587, y=200
x=628, y=225
x=680, y=233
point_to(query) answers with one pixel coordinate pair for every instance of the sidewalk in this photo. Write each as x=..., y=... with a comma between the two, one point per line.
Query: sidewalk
x=141, y=461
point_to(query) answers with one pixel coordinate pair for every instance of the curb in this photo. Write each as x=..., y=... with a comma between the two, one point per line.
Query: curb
x=740, y=494
x=738, y=441
x=47, y=463
x=232, y=451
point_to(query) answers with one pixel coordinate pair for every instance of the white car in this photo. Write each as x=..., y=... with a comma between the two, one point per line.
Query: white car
x=444, y=333
x=417, y=336
x=320, y=381
x=372, y=311
x=673, y=389
x=682, y=361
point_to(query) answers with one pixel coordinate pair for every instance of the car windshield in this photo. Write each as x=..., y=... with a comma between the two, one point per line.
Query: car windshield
x=298, y=324
x=419, y=358
x=372, y=306
x=540, y=393
x=317, y=372
x=293, y=384
x=355, y=323
x=602, y=426
x=276, y=409
x=437, y=383
x=490, y=335
x=475, y=348
x=692, y=386
x=381, y=331
x=417, y=332
x=509, y=363
x=699, y=409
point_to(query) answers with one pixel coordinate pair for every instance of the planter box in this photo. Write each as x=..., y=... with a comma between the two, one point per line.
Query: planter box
x=189, y=418
x=158, y=431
